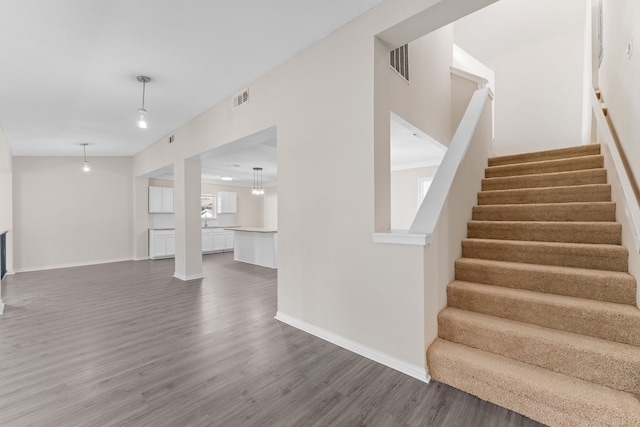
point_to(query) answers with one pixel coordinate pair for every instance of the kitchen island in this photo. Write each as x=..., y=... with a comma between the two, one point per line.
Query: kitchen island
x=257, y=246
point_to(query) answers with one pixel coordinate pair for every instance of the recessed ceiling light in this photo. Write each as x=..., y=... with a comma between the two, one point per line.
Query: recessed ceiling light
x=226, y=178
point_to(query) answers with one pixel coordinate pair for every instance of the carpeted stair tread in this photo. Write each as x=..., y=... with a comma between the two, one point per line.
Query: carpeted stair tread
x=549, y=397
x=581, y=255
x=609, y=286
x=547, y=231
x=605, y=320
x=603, y=362
x=546, y=166
x=564, y=194
x=577, y=211
x=560, y=153
x=554, y=179
x=542, y=316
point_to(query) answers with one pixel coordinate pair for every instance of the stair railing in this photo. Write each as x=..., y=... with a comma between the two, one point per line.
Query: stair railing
x=631, y=207
x=433, y=203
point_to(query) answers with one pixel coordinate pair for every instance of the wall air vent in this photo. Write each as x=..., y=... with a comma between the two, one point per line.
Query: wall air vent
x=241, y=98
x=399, y=61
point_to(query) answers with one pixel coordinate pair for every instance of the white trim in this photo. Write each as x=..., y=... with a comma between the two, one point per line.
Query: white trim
x=402, y=238
x=631, y=208
x=76, y=264
x=482, y=82
x=1, y=307
x=414, y=371
x=186, y=278
x=144, y=258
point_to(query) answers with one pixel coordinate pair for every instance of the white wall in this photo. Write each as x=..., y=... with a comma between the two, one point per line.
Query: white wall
x=6, y=197
x=6, y=205
x=619, y=76
x=64, y=216
x=404, y=195
x=462, y=90
x=331, y=275
x=539, y=96
x=425, y=100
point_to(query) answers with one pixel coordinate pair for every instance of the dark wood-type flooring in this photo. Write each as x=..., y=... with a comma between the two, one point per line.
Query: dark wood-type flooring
x=127, y=344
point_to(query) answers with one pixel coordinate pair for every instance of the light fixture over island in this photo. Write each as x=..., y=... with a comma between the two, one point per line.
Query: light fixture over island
x=257, y=246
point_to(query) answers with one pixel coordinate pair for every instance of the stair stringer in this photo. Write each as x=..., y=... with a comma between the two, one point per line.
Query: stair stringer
x=623, y=217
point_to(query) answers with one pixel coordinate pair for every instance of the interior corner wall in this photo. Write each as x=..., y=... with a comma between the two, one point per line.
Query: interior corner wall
x=425, y=101
x=404, y=195
x=6, y=197
x=618, y=76
x=539, y=96
x=65, y=217
x=330, y=272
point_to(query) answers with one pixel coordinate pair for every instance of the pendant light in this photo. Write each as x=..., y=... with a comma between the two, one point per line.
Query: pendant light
x=257, y=182
x=85, y=163
x=142, y=112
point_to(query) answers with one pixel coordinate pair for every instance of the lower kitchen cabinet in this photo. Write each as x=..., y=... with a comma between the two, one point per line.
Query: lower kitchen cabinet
x=216, y=240
x=228, y=240
x=162, y=243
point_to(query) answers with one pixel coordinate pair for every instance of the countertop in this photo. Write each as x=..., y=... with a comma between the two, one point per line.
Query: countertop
x=255, y=230
x=230, y=227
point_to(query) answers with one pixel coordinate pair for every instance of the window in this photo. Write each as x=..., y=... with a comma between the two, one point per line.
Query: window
x=399, y=61
x=423, y=187
x=208, y=206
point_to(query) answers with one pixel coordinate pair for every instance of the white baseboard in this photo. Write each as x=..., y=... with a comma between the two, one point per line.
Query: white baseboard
x=187, y=277
x=1, y=307
x=414, y=371
x=145, y=258
x=75, y=264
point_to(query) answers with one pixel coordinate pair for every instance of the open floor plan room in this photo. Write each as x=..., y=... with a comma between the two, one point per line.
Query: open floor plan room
x=127, y=344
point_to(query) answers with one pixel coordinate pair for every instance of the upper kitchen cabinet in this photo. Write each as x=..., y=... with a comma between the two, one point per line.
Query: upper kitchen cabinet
x=160, y=200
x=227, y=202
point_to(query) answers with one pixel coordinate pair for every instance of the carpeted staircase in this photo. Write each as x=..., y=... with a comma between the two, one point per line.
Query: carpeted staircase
x=542, y=316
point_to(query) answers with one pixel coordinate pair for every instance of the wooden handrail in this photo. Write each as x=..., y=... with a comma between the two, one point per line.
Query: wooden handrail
x=632, y=207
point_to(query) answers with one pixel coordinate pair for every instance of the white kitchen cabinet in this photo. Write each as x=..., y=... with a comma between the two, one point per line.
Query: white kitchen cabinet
x=162, y=243
x=207, y=241
x=218, y=240
x=213, y=240
x=227, y=202
x=171, y=244
x=160, y=200
x=228, y=240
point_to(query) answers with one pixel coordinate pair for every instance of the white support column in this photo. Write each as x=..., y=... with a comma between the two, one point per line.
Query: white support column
x=186, y=205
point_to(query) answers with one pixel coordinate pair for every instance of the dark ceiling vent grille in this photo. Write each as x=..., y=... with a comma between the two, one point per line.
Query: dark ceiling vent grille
x=241, y=98
x=399, y=61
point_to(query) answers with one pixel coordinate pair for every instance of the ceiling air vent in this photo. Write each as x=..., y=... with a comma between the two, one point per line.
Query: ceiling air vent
x=241, y=98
